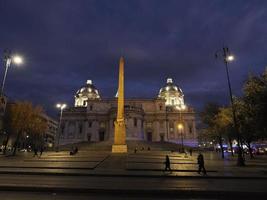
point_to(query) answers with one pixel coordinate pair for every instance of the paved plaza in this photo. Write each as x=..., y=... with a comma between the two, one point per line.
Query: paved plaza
x=95, y=172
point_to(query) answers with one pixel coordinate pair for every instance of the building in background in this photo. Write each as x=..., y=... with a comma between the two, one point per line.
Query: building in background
x=92, y=118
x=51, y=131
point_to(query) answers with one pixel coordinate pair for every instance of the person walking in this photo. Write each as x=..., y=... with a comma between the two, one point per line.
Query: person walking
x=191, y=151
x=201, y=166
x=35, y=150
x=167, y=164
x=41, y=151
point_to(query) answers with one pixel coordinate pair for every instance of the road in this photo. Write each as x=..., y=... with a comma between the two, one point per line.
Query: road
x=132, y=186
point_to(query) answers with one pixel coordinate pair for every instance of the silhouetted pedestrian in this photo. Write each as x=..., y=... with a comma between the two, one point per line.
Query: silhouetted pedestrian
x=190, y=152
x=135, y=149
x=76, y=150
x=41, y=151
x=200, y=161
x=35, y=150
x=167, y=163
x=72, y=151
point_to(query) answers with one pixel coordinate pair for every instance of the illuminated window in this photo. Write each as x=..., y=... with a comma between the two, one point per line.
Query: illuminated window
x=102, y=124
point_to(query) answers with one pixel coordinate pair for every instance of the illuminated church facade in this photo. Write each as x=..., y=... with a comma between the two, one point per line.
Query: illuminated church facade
x=164, y=118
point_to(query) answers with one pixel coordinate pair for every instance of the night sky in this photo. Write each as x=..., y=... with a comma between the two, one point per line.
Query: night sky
x=64, y=43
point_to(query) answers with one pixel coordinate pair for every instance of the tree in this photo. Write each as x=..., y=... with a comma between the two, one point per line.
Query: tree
x=23, y=118
x=224, y=124
x=252, y=110
x=209, y=117
x=255, y=99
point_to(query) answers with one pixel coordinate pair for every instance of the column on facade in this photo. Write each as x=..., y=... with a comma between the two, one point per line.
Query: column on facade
x=76, y=132
x=166, y=130
x=95, y=130
x=111, y=129
x=129, y=127
x=140, y=129
x=85, y=130
x=155, y=135
x=63, y=134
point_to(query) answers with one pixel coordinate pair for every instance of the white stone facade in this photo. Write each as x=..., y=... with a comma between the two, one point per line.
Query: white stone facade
x=146, y=119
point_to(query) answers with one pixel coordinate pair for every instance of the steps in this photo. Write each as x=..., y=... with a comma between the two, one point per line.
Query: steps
x=132, y=144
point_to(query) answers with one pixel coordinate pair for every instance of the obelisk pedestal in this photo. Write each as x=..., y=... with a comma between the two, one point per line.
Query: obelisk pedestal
x=119, y=145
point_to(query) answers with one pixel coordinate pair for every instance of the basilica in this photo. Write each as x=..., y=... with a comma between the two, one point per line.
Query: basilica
x=163, y=118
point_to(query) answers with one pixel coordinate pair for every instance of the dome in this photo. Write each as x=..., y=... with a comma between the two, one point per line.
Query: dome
x=172, y=94
x=86, y=93
x=170, y=88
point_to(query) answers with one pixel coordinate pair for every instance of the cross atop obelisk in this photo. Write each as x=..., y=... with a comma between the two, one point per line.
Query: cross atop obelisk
x=119, y=145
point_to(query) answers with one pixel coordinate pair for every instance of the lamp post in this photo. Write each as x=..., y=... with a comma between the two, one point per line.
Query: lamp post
x=61, y=107
x=228, y=57
x=180, y=128
x=8, y=60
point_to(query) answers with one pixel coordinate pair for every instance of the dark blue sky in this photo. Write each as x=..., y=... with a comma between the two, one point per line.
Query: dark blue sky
x=67, y=42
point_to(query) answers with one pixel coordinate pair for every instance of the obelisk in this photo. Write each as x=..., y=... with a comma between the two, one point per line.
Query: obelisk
x=119, y=145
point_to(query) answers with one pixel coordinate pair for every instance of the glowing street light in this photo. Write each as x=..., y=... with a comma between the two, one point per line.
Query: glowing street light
x=61, y=107
x=230, y=58
x=17, y=59
x=180, y=128
x=8, y=60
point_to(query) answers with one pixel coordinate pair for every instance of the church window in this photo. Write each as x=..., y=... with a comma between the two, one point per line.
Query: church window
x=89, y=137
x=80, y=128
x=90, y=124
x=135, y=122
x=71, y=130
x=91, y=107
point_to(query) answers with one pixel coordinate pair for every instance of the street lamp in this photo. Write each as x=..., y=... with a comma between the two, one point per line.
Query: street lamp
x=8, y=60
x=228, y=57
x=180, y=128
x=61, y=107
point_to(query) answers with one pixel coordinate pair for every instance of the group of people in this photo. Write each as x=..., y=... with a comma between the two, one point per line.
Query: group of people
x=200, y=162
x=74, y=151
x=142, y=149
x=35, y=151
